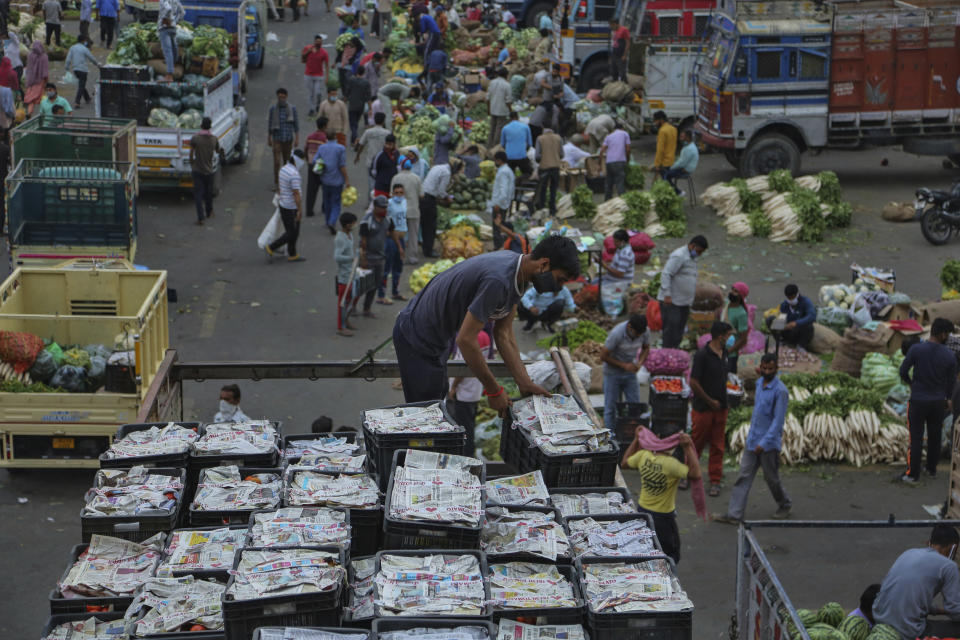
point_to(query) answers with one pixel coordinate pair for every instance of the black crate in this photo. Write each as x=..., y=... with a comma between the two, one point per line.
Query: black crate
x=349, y=436
x=347, y=548
x=180, y=635
x=547, y=615
x=195, y=463
x=221, y=575
x=233, y=516
x=619, y=517
x=130, y=73
x=668, y=406
x=118, y=378
x=256, y=633
x=58, y=619
x=403, y=534
x=403, y=623
x=484, y=571
x=178, y=460
x=346, y=620
x=86, y=606
x=635, y=625
x=526, y=556
x=623, y=491
x=241, y=618
x=380, y=446
x=139, y=527
x=630, y=415
x=565, y=470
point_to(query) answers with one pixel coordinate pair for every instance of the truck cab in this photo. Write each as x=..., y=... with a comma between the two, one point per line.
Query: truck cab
x=256, y=17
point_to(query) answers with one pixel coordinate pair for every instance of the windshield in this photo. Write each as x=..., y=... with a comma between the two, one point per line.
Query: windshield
x=717, y=56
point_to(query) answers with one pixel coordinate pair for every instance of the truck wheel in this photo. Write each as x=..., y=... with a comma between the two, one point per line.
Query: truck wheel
x=242, y=151
x=733, y=157
x=592, y=75
x=770, y=152
x=531, y=19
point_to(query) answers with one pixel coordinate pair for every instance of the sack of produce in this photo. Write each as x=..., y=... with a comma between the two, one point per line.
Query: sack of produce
x=165, y=89
x=615, y=91
x=56, y=351
x=97, y=370
x=349, y=196
x=162, y=118
x=834, y=318
x=898, y=212
x=825, y=340
x=43, y=367
x=97, y=350
x=667, y=362
x=70, y=378
x=707, y=297
x=20, y=349
x=190, y=119
x=517, y=83
x=192, y=101
x=193, y=83
x=77, y=358
x=654, y=317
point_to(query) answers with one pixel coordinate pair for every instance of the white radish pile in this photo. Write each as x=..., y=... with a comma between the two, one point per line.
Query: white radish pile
x=565, y=208
x=610, y=216
x=7, y=373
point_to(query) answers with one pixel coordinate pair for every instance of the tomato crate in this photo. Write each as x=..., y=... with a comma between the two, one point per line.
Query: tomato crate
x=381, y=446
x=141, y=526
x=588, y=469
x=411, y=534
x=160, y=460
x=331, y=632
x=294, y=458
x=233, y=516
x=87, y=606
x=546, y=615
x=403, y=623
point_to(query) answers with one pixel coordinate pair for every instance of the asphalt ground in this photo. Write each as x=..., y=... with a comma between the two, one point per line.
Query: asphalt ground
x=233, y=305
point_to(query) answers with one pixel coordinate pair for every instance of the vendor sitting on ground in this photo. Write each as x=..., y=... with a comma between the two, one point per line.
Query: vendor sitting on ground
x=801, y=314
x=546, y=307
x=621, y=265
x=504, y=236
x=916, y=577
x=230, y=405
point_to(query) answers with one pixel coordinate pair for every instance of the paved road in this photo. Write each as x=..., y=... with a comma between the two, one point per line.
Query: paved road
x=233, y=305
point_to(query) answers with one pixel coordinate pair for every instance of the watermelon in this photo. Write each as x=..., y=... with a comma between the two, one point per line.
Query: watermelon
x=883, y=632
x=855, y=627
x=807, y=617
x=831, y=613
x=821, y=631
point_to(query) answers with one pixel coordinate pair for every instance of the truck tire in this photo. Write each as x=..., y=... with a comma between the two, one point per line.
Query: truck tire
x=769, y=152
x=733, y=157
x=592, y=75
x=531, y=19
x=242, y=150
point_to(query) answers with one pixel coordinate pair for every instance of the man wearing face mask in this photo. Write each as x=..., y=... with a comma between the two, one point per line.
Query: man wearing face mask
x=762, y=450
x=736, y=317
x=412, y=191
x=801, y=314
x=52, y=99
x=457, y=304
x=230, y=405
x=678, y=285
x=624, y=352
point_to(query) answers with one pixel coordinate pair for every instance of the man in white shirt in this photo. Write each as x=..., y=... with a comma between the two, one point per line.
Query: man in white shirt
x=434, y=189
x=499, y=97
x=289, y=201
x=464, y=395
x=230, y=405
x=573, y=154
x=413, y=192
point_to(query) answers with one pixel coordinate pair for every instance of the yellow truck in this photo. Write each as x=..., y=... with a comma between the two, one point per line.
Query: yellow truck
x=81, y=304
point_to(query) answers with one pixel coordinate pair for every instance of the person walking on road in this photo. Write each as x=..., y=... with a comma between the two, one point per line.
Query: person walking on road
x=934, y=368
x=168, y=17
x=678, y=285
x=331, y=162
x=549, y=157
x=385, y=167
x=385, y=18
x=86, y=12
x=343, y=256
x=203, y=146
x=335, y=111
x=358, y=97
x=624, y=352
x=434, y=190
x=397, y=211
x=616, y=153
x=35, y=76
x=314, y=140
x=762, y=450
x=51, y=20
x=375, y=228
x=107, y=11
x=316, y=63
x=283, y=132
x=708, y=380
x=77, y=58
x=368, y=147
x=499, y=97
x=412, y=192
x=291, y=207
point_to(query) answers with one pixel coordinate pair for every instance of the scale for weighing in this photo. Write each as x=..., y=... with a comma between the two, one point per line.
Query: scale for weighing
x=776, y=324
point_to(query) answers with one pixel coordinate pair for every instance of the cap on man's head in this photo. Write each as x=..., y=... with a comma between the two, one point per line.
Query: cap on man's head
x=380, y=201
x=741, y=288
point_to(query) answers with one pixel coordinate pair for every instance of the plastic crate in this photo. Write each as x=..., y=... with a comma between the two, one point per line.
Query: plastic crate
x=597, y=468
x=233, y=516
x=161, y=460
x=119, y=378
x=623, y=491
x=381, y=446
x=196, y=463
x=139, y=527
x=58, y=619
x=257, y=636
x=547, y=615
x=630, y=415
x=403, y=623
x=403, y=534
x=241, y=618
x=526, y=556
x=635, y=625
x=221, y=575
x=484, y=571
x=668, y=406
x=346, y=549
x=349, y=436
x=619, y=517
x=86, y=606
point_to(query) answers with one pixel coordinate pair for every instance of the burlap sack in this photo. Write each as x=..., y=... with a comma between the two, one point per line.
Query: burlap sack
x=898, y=212
x=474, y=98
x=708, y=297
x=596, y=379
x=615, y=91
x=825, y=339
x=845, y=364
x=949, y=309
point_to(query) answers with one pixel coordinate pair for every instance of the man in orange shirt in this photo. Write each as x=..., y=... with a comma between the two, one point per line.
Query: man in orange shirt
x=666, y=145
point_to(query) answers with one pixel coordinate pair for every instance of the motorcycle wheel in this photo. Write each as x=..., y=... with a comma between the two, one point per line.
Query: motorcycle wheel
x=936, y=230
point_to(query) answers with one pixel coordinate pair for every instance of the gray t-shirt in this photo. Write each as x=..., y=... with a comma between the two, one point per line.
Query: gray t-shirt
x=622, y=347
x=375, y=231
x=51, y=12
x=485, y=285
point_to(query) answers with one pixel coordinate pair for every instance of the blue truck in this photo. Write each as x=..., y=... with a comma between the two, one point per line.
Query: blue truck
x=245, y=20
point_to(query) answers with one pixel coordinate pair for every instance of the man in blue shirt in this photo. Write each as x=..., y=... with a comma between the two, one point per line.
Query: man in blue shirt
x=107, y=9
x=763, y=444
x=685, y=164
x=546, y=307
x=931, y=389
x=515, y=138
x=436, y=66
x=429, y=28
x=333, y=178
x=801, y=314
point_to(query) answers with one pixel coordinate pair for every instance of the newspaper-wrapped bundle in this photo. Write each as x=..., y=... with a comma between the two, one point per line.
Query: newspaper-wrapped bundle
x=428, y=419
x=236, y=438
x=295, y=526
x=524, y=585
x=526, y=489
x=304, y=486
x=223, y=489
x=112, y=567
x=586, y=504
x=164, y=605
x=201, y=550
x=439, y=633
x=518, y=531
x=513, y=630
x=296, y=633
x=327, y=454
x=557, y=425
x=643, y=586
x=171, y=438
x=265, y=573
x=90, y=629
x=360, y=602
x=590, y=537
x=433, y=585
x=119, y=492
x=437, y=488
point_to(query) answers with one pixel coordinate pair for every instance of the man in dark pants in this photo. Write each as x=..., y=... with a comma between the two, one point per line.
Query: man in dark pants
x=203, y=145
x=314, y=140
x=459, y=302
x=678, y=286
x=374, y=229
x=288, y=198
x=801, y=314
x=358, y=96
x=931, y=389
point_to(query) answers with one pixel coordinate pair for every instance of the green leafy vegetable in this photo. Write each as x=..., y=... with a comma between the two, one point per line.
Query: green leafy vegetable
x=750, y=201
x=635, y=178
x=583, y=204
x=830, y=191
x=950, y=275
x=807, y=207
x=585, y=330
x=652, y=288
x=666, y=202
x=639, y=203
x=780, y=180
x=840, y=216
x=760, y=224
x=675, y=228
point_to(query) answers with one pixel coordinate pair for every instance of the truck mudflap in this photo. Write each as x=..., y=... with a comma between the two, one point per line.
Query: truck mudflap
x=714, y=140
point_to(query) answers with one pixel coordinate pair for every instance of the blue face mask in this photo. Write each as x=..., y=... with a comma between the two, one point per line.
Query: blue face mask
x=732, y=339
x=398, y=199
x=694, y=254
x=406, y=164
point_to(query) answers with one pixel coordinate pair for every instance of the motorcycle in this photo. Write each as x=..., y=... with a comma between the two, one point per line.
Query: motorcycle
x=938, y=212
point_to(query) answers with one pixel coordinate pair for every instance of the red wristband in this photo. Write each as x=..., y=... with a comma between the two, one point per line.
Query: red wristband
x=493, y=395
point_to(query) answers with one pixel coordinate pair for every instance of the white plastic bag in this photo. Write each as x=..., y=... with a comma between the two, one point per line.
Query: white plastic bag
x=611, y=298
x=68, y=78
x=272, y=230
x=643, y=377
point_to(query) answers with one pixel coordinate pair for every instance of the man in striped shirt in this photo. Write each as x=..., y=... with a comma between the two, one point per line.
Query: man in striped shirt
x=620, y=267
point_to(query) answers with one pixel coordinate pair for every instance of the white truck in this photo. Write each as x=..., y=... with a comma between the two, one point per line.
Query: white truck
x=163, y=154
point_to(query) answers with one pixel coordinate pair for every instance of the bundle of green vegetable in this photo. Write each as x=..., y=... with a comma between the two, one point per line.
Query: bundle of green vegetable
x=518, y=39
x=635, y=178
x=669, y=208
x=781, y=181
x=343, y=40
x=470, y=194
x=585, y=330
x=639, y=205
x=480, y=131
x=652, y=288
x=583, y=203
x=210, y=42
x=950, y=275
x=806, y=205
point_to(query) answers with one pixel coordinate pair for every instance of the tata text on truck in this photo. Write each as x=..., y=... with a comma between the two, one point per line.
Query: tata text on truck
x=786, y=77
